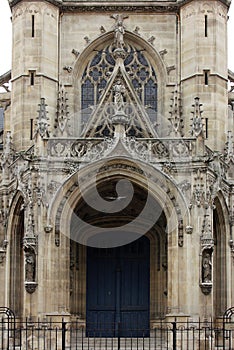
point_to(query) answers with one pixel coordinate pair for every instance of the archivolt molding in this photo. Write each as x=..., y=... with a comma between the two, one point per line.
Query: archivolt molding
x=160, y=187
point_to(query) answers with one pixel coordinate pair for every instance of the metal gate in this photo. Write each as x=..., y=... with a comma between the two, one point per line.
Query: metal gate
x=8, y=327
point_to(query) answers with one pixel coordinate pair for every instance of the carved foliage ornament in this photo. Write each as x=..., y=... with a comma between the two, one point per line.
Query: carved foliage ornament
x=61, y=121
x=197, y=127
x=198, y=196
x=176, y=120
x=42, y=120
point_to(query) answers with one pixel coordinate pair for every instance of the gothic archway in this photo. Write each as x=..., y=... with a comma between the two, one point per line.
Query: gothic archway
x=156, y=284
x=72, y=197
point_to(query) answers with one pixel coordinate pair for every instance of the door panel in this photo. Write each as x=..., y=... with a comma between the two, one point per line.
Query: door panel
x=118, y=290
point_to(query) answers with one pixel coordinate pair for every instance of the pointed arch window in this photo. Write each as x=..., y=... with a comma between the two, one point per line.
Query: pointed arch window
x=98, y=73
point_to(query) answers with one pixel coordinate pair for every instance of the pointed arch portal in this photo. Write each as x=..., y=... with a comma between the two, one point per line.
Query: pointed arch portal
x=119, y=289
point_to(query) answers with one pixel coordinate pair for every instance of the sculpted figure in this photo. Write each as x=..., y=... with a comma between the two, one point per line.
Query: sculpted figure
x=206, y=268
x=119, y=31
x=118, y=90
x=30, y=267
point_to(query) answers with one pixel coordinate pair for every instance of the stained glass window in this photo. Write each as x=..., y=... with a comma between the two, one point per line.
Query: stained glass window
x=99, y=71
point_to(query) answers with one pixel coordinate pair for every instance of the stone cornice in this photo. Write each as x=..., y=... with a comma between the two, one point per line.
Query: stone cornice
x=81, y=6
x=118, y=7
x=139, y=6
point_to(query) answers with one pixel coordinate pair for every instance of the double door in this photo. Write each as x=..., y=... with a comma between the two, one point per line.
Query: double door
x=118, y=290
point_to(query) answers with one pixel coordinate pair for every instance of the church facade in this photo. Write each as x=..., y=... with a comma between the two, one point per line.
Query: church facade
x=117, y=197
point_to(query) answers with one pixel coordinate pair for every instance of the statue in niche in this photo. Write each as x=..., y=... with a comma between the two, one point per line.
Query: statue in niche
x=206, y=267
x=119, y=91
x=30, y=262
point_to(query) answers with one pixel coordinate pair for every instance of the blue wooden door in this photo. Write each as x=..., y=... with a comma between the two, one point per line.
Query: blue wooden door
x=118, y=290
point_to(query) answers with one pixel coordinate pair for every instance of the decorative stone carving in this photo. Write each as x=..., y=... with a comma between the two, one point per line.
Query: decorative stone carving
x=231, y=245
x=176, y=119
x=30, y=265
x=180, y=149
x=197, y=127
x=42, y=120
x=185, y=185
x=48, y=228
x=3, y=250
x=30, y=287
x=62, y=118
x=71, y=167
x=162, y=53
x=119, y=30
x=97, y=120
x=206, y=284
x=118, y=92
x=122, y=8
x=29, y=215
x=206, y=266
x=2, y=255
x=87, y=39
x=136, y=30
x=189, y=229
x=180, y=233
x=207, y=241
x=170, y=68
x=30, y=245
x=199, y=195
x=229, y=150
x=102, y=30
x=8, y=153
x=68, y=68
x=151, y=40
x=53, y=186
x=161, y=149
x=207, y=246
x=137, y=149
x=167, y=168
x=39, y=192
x=212, y=188
x=75, y=52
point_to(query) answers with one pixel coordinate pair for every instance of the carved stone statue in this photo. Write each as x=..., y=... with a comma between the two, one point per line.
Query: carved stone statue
x=206, y=267
x=30, y=265
x=119, y=91
x=119, y=31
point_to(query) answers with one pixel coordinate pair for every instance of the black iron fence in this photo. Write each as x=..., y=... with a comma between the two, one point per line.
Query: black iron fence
x=48, y=335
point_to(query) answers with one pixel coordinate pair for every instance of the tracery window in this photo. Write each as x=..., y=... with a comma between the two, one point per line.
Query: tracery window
x=100, y=70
